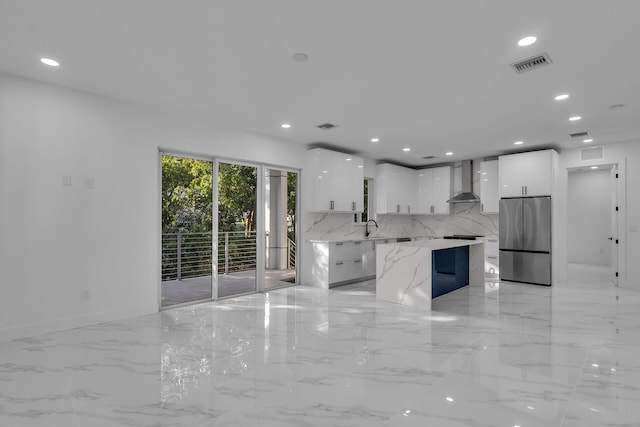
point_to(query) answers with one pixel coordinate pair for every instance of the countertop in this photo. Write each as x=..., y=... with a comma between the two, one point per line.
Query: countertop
x=363, y=239
x=435, y=244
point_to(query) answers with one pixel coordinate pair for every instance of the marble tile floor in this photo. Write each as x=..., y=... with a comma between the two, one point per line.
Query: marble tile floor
x=501, y=354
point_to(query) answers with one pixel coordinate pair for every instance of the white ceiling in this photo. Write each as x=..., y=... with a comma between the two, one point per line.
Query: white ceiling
x=430, y=75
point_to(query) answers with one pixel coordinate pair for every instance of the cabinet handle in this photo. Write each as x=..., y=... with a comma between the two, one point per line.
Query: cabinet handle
x=526, y=190
x=358, y=260
x=492, y=257
x=339, y=244
x=339, y=263
x=331, y=205
x=398, y=208
x=357, y=243
x=408, y=209
x=353, y=206
x=481, y=207
x=431, y=209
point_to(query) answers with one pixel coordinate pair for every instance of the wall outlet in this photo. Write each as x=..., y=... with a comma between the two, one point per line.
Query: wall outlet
x=85, y=295
x=66, y=180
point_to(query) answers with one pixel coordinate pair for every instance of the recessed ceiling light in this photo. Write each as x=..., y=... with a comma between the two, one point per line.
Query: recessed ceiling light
x=449, y=153
x=406, y=149
x=526, y=41
x=594, y=167
x=518, y=143
x=348, y=159
x=285, y=126
x=574, y=118
x=375, y=139
x=360, y=166
x=50, y=62
x=586, y=141
x=449, y=399
x=561, y=97
x=300, y=57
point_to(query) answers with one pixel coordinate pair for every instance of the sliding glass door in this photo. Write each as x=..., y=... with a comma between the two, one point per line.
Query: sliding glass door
x=228, y=228
x=187, y=221
x=281, y=190
x=237, y=228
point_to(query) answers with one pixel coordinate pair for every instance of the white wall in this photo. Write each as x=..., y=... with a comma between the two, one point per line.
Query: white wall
x=71, y=256
x=627, y=156
x=589, y=213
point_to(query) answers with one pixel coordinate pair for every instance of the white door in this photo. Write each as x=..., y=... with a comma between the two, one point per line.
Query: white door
x=614, y=225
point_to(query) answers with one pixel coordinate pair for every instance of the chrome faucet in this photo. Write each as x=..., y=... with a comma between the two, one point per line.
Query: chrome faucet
x=366, y=227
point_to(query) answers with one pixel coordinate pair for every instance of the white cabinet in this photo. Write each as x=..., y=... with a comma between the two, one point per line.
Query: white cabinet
x=336, y=181
x=526, y=174
x=434, y=189
x=489, y=187
x=491, y=266
x=396, y=189
x=337, y=263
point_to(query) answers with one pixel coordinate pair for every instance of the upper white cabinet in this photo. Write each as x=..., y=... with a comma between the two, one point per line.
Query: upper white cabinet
x=337, y=181
x=434, y=189
x=527, y=174
x=489, y=187
x=396, y=189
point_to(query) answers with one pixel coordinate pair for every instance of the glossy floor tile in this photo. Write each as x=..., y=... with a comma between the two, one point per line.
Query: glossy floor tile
x=495, y=355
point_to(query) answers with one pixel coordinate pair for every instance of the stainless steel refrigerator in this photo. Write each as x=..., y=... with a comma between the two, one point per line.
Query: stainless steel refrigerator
x=525, y=240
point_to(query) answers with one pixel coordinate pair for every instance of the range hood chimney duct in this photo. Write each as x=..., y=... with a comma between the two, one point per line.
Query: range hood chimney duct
x=467, y=195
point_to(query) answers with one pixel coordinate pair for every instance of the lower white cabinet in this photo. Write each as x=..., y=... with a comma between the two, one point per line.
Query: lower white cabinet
x=338, y=263
x=491, y=267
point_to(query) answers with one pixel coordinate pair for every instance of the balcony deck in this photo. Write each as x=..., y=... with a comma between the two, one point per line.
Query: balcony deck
x=199, y=288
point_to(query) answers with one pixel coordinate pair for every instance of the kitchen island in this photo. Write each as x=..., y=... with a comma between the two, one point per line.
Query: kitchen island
x=413, y=273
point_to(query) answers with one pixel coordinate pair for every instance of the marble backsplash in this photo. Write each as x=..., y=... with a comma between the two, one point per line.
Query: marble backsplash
x=464, y=219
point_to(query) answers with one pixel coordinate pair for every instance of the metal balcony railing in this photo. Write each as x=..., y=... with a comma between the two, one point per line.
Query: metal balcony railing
x=186, y=255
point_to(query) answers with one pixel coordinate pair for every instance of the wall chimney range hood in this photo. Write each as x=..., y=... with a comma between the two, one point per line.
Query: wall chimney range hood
x=467, y=195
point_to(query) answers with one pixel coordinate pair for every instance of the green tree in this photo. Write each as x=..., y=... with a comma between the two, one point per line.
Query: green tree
x=292, y=183
x=237, y=197
x=186, y=195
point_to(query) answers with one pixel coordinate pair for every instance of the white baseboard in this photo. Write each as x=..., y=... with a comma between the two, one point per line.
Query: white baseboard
x=55, y=325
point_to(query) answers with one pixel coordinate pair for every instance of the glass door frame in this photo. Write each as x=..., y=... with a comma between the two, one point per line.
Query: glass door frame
x=260, y=222
x=260, y=238
x=214, y=226
x=298, y=173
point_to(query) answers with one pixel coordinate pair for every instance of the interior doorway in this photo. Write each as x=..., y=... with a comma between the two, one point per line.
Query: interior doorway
x=187, y=220
x=592, y=241
x=281, y=200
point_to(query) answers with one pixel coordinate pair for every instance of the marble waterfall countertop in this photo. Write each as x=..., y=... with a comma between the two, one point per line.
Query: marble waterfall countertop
x=404, y=269
x=365, y=239
x=435, y=244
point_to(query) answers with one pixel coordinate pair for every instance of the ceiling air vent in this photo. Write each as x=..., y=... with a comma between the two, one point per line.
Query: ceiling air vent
x=532, y=63
x=429, y=157
x=327, y=126
x=592, y=153
x=579, y=134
